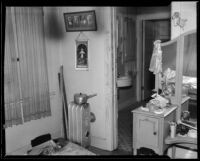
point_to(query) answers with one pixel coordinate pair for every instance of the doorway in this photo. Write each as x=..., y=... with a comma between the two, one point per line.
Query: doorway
x=138, y=72
x=126, y=64
x=158, y=29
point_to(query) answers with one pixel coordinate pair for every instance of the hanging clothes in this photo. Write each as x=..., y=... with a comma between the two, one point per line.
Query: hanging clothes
x=156, y=59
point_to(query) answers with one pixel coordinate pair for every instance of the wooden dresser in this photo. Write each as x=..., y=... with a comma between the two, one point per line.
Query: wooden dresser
x=150, y=129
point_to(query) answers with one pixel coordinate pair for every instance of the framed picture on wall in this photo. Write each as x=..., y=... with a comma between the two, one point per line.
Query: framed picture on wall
x=80, y=21
x=81, y=58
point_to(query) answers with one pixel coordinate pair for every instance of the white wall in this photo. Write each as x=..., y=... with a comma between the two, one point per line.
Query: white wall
x=188, y=10
x=60, y=49
x=95, y=79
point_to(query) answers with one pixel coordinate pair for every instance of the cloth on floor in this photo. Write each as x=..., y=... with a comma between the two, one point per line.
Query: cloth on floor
x=73, y=149
x=57, y=148
x=43, y=148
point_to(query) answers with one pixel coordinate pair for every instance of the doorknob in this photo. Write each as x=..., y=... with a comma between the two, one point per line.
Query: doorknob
x=154, y=133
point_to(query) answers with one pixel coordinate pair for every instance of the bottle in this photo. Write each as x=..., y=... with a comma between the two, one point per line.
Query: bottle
x=172, y=129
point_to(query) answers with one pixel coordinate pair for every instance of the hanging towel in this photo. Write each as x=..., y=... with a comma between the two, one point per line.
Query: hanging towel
x=156, y=59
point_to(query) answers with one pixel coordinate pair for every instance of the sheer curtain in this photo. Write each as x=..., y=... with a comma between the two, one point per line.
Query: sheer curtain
x=13, y=115
x=28, y=28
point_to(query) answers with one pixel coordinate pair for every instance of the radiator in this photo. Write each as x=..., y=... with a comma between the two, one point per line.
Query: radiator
x=79, y=123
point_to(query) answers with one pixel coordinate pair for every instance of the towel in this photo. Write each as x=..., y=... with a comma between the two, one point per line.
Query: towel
x=156, y=59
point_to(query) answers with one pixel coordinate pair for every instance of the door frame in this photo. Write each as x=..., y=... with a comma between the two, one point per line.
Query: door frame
x=114, y=118
x=114, y=44
x=139, y=64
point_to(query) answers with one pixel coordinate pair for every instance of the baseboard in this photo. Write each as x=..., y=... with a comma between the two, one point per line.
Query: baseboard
x=99, y=143
x=20, y=151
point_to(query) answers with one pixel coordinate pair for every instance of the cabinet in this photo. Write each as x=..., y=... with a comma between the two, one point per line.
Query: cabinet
x=150, y=129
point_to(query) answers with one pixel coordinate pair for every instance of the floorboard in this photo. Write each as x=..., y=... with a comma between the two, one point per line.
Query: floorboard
x=125, y=134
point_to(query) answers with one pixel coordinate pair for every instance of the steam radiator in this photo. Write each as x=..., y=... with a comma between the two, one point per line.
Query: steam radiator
x=79, y=123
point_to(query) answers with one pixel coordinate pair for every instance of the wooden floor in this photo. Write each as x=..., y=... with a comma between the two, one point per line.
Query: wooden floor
x=124, y=133
x=125, y=136
x=108, y=153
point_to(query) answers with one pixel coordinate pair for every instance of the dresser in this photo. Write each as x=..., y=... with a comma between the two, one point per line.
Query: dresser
x=150, y=129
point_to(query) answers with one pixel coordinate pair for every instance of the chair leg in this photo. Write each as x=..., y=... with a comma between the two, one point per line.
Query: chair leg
x=173, y=152
x=134, y=151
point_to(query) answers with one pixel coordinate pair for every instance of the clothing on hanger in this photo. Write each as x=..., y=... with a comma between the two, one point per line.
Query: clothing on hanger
x=156, y=59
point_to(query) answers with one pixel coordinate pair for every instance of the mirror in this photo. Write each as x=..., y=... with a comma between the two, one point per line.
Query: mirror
x=190, y=55
x=169, y=56
x=169, y=51
x=189, y=76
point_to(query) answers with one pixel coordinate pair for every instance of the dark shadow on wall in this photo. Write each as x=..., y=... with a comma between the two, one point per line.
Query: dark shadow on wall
x=53, y=26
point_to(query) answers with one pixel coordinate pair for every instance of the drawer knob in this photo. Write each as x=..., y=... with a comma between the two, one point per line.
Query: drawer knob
x=154, y=133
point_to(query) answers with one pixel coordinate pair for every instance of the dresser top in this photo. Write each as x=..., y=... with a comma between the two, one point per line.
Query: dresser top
x=166, y=111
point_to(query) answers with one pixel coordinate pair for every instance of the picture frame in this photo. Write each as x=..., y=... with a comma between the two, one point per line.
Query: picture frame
x=80, y=21
x=81, y=55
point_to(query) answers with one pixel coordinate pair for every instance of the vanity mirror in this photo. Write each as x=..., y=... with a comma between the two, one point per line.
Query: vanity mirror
x=178, y=77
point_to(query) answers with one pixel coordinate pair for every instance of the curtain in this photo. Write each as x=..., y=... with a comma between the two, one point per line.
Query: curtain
x=11, y=77
x=28, y=24
x=33, y=66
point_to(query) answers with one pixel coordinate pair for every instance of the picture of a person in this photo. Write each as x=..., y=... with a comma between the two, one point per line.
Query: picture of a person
x=83, y=20
x=70, y=21
x=82, y=55
x=76, y=20
x=89, y=20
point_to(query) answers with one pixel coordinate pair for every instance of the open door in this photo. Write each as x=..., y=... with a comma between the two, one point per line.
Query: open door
x=148, y=77
x=152, y=30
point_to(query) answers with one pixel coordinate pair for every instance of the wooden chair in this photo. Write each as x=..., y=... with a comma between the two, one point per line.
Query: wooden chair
x=182, y=142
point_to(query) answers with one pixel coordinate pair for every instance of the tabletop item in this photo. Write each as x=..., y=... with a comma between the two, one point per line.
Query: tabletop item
x=172, y=129
x=80, y=98
x=192, y=133
x=185, y=115
x=144, y=108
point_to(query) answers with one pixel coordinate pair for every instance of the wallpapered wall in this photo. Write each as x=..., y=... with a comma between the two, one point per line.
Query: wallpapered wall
x=188, y=11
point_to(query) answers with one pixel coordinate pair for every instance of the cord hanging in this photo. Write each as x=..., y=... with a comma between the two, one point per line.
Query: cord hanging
x=81, y=36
